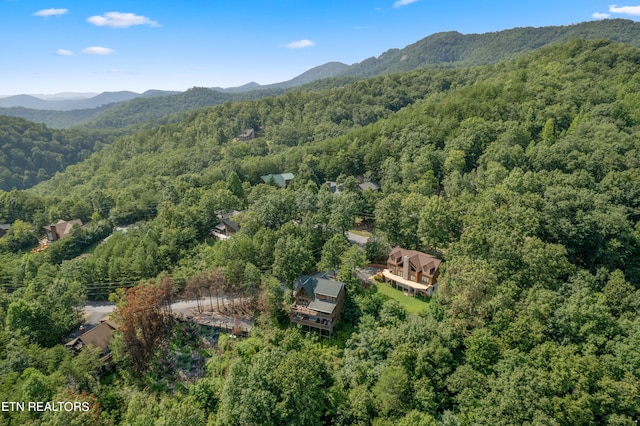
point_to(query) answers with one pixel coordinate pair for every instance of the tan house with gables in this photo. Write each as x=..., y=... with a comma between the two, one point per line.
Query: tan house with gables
x=318, y=302
x=99, y=336
x=61, y=229
x=413, y=272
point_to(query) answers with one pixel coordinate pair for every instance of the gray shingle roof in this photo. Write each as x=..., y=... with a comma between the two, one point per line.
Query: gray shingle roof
x=321, y=306
x=320, y=286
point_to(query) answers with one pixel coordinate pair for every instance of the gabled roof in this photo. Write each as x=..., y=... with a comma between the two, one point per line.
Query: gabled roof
x=420, y=261
x=320, y=286
x=5, y=226
x=227, y=222
x=333, y=187
x=99, y=336
x=246, y=133
x=63, y=228
x=280, y=179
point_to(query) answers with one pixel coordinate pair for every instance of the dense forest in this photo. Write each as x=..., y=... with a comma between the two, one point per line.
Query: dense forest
x=32, y=152
x=523, y=176
x=54, y=119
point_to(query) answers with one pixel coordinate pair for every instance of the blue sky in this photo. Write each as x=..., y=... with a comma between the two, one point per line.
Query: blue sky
x=51, y=46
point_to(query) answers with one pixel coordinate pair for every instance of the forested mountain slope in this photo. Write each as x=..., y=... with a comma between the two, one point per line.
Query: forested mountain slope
x=523, y=176
x=54, y=119
x=74, y=112
x=453, y=49
x=32, y=153
x=32, y=102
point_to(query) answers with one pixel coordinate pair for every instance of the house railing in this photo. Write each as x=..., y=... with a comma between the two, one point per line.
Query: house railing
x=311, y=318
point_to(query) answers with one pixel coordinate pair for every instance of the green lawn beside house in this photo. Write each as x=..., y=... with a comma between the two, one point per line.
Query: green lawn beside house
x=413, y=305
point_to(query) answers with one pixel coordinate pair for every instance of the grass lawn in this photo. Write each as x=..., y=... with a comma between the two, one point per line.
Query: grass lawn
x=413, y=305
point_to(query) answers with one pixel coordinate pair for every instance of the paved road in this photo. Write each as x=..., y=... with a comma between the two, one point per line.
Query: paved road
x=367, y=272
x=95, y=311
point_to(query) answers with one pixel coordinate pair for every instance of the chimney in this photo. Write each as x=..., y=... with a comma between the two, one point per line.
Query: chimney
x=405, y=266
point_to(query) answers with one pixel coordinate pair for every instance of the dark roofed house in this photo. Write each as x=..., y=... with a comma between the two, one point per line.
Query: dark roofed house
x=333, y=187
x=247, y=135
x=413, y=272
x=99, y=336
x=282, y=180
x=318, y=302
x=227, y=225
x=4, y=227
x=61, y=229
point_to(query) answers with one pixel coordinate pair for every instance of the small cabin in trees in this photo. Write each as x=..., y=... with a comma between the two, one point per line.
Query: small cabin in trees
x=227, y=226
x=318, y=302
x=282, y=180
x=99, y=336
x=247, y=135
x=60, y=230
x=4, y=228
x=334, y=187
x=413, y=272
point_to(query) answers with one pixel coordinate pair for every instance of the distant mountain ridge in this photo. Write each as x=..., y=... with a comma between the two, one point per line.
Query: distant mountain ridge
x=70, y=104
x=328, y=70
x=454, y=49
x=440, y=50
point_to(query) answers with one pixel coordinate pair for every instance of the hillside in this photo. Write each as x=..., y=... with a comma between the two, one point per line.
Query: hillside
x=148, y=109
x=52, y=118
x=522, y=176
x=31, y=102
x=449, y=49
x=62, y=114
x=453, y=49
x=32, y=152
x=53, y=103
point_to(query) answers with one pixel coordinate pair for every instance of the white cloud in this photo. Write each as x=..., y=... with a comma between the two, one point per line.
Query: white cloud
x=599, y=15
x=51, y=12
x=401, y=3
x=300, y=44
x=626, y=10
x=97, y=50
x=120, y=20
x=64, y=52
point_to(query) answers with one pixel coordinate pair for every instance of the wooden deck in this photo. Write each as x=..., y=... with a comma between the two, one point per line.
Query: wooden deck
x=409, y=288
x=311, y=319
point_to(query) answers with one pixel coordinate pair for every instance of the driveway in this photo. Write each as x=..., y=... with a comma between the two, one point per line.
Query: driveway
x=356, y=239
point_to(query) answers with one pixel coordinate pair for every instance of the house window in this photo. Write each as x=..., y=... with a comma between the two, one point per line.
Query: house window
x=393, y=258
x=413, y=278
